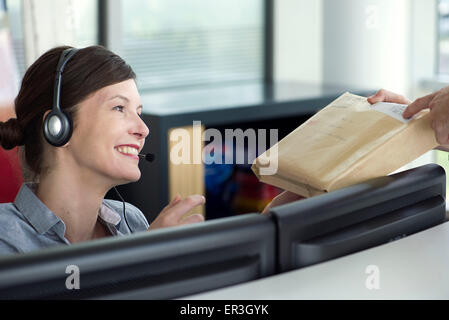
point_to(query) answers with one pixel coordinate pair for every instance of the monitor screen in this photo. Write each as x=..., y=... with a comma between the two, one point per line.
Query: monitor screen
x=358, y=217
x=160, y=264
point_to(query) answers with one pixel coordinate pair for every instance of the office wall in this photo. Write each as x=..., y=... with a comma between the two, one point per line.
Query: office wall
x=424, y=46
x=367, y=43
x=298, y=40
x=364, y=43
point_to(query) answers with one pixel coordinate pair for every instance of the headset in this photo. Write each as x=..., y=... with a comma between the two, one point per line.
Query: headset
x=58, y=125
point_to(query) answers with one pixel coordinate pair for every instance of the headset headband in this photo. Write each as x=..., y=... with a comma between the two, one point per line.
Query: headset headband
x=65, y=57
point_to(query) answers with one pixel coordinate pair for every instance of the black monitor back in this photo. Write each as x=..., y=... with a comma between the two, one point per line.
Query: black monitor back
x=358, y=217
x=160, y=264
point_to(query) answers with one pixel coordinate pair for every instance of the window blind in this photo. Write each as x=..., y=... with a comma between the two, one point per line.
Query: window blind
x=175, y=43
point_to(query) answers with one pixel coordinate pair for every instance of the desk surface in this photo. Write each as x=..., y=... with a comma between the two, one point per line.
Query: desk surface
x=415, y=267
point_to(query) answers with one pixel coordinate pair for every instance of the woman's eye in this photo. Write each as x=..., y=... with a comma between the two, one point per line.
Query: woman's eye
x=119, y=108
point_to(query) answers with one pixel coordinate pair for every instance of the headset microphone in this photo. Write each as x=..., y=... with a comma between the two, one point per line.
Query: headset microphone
x=149, y=157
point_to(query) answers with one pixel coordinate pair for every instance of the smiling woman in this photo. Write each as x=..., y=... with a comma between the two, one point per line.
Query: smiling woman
x=62, y=199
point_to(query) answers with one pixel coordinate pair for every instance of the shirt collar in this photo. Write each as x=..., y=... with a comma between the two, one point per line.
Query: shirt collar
x=109, y=215
x=42, y=219
x=34, y=210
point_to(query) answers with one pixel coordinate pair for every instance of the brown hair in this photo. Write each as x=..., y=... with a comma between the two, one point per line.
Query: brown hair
x=90, y=69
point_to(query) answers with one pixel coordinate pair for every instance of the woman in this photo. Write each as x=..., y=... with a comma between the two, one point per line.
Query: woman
x=64, y=202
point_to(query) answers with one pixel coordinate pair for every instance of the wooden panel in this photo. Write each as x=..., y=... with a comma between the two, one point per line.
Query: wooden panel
x=186, y=169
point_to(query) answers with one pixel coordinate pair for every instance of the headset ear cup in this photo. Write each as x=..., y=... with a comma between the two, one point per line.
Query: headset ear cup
x=58, y=128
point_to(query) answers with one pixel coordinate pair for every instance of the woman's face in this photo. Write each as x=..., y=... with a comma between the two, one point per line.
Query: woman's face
x=109, y=133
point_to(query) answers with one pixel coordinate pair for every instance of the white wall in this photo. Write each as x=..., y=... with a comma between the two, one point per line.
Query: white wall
x=358, y=43
x=298, y=38
x=366, y=43
x=424, y=45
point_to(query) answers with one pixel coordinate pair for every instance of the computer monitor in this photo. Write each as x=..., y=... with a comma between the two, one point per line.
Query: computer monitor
x=358, y=217
x=160, y=264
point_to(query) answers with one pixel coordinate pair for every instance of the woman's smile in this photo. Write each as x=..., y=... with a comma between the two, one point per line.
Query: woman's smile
x=129, y=150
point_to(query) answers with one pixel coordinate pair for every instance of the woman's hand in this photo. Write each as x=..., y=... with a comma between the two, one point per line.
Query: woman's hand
x=172, y=214
x=283, y=198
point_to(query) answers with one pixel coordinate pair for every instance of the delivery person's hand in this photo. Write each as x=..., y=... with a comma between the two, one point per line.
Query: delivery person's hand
x=172, y=214
x=387, y=96
x=437, y=102
x=283, y=198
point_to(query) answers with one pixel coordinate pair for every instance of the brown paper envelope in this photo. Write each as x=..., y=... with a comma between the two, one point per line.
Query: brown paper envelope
x=345, y=143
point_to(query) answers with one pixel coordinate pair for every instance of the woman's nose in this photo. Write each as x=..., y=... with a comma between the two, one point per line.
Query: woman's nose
x=140, y=129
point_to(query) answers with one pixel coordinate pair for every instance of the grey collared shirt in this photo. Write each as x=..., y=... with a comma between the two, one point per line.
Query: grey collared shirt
x=28, y=225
